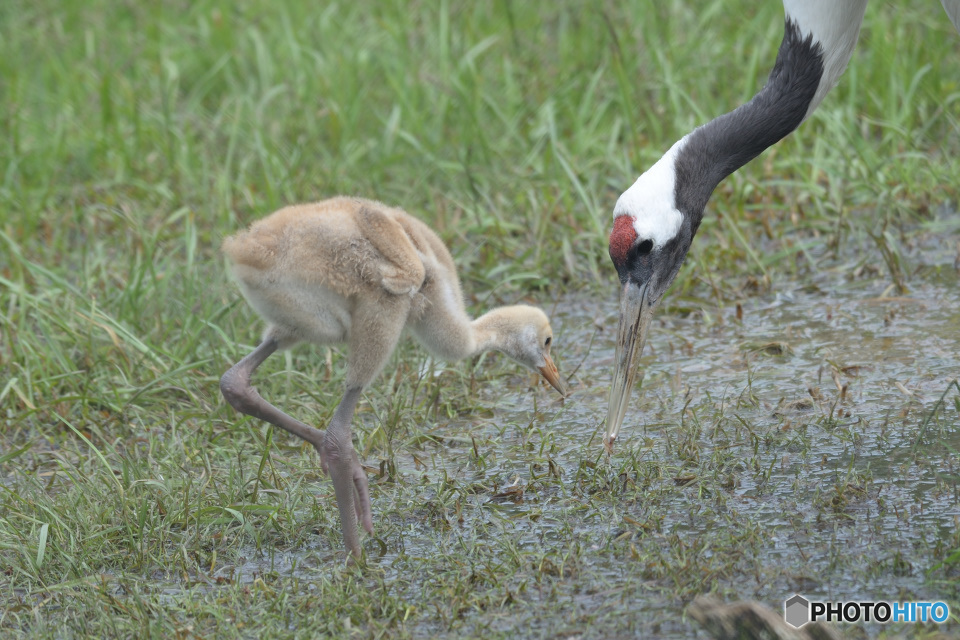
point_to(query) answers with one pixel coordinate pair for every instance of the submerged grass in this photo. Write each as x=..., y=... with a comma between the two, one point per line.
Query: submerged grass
x=137, y=135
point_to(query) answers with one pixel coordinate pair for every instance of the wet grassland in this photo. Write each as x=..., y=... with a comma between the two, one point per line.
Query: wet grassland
x=798, y=425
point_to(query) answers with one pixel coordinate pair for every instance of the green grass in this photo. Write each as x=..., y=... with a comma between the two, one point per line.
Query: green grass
x=134, y=136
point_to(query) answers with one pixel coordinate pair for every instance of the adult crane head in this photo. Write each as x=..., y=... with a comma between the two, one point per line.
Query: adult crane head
x=656, y=218
x=650, y=239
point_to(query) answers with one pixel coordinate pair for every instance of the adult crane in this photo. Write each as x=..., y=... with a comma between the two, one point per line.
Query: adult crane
x=654, y=221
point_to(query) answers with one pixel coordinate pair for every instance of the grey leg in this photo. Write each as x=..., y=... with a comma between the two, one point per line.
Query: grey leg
x=235, y=387
x=340, y=460
x=337, y=455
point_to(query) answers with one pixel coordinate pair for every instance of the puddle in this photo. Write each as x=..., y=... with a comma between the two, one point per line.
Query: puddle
x=779, y=446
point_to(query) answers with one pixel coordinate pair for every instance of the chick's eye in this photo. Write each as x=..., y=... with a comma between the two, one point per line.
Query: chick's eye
x=546, y=342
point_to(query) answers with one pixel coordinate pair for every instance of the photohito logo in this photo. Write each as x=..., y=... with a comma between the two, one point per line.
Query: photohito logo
x=798, y=611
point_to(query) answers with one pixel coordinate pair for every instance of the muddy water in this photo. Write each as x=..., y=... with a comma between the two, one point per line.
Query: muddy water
x=775, y=448
x=808, y=407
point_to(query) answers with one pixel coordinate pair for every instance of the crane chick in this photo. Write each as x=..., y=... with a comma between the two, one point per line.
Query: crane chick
x=354, y=271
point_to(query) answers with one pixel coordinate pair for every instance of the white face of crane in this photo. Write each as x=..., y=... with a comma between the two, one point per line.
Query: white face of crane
x=650, y=206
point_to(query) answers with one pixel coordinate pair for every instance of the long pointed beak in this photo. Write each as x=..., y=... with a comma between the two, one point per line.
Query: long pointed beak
x=550, y=373
x=636, y=310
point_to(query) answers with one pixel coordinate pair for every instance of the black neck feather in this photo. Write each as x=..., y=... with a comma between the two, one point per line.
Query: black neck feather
x=720, y=147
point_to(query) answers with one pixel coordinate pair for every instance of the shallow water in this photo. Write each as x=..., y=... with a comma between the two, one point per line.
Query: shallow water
x=775, y=451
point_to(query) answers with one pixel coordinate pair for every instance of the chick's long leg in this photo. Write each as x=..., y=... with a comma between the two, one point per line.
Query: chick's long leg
x=382, y=320
x=236, y=388
x=339, y=459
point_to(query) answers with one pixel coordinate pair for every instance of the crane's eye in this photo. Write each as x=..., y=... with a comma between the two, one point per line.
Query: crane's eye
x=546, y=342
x=644, y=247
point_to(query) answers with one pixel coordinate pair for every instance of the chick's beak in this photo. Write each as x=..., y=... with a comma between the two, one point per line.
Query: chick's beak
x=550, y=373
x=636, y=310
